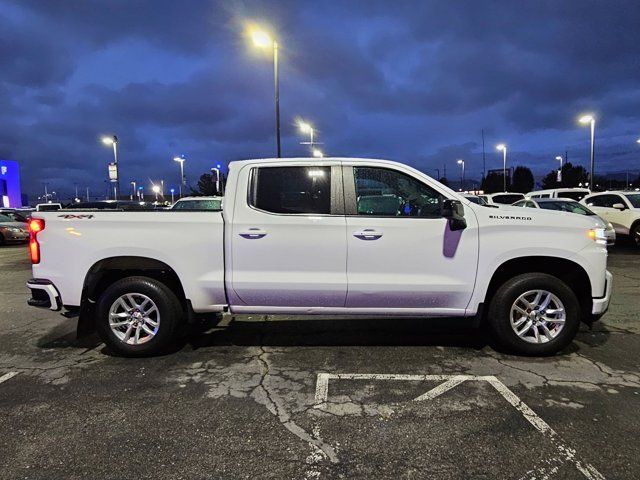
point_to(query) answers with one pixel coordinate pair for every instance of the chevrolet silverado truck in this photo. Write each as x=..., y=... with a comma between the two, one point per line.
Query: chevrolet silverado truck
x=336, y=236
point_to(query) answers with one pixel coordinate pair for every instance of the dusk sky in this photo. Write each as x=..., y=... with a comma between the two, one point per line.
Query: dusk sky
x=410, y=81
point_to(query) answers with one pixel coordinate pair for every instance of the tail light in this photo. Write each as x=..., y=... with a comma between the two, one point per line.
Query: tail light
x=35, y=225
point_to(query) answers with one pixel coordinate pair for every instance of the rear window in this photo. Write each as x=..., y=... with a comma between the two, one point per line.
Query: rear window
x=577, y=196
x=572, y=207
x=49, y=208
x=507, y=199
x=291, y=190
x=208, y=204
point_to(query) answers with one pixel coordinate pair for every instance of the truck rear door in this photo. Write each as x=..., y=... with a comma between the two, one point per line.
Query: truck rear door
x=288, y=238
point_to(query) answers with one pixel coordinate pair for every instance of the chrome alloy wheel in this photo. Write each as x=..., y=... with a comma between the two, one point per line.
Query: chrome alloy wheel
x=537, y=316
x=134, y=318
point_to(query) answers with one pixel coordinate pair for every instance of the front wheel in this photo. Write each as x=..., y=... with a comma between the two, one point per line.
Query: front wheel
x=635, y=235
x=138, y=316
x=534, y=314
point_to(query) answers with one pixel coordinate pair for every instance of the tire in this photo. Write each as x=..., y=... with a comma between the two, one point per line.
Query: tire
x=2, y=242
x=634, y=234
x=140, y=330
x=520, y=291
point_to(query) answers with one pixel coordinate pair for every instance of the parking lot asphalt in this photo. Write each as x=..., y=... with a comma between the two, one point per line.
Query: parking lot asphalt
x=277, y=397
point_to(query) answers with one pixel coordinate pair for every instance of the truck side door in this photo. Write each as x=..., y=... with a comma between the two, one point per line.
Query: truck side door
x=288, y=239
x=400, y=251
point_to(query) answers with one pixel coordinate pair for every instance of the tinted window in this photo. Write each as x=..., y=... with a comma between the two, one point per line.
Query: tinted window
x=475, y=200
x=208, y=204
x=48, y=208
x=604, y=201
x=4, y=218
x=389, y=193
x=634, y=199
x=507, y=199
x=573, y=195
x=571, y=207
x=16, y=217
x=292, y=189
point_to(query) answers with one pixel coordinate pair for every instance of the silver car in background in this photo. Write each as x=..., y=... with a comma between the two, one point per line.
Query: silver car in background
x=12, y=231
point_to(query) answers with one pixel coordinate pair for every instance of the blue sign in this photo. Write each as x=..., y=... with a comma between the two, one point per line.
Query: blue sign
x=10, y=195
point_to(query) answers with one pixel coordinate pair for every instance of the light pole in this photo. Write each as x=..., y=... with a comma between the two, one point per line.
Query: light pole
x=559, y=157
x=133, y=190
x=180, y=160
x=217, y=172
x=308, y=129
x=317, y=153
x=114, y=142
x=156, y=189
x=262, y=39
x=591, y=120
x=461, y=163
x=172, y=191
x=503, y=148
x=438, y=173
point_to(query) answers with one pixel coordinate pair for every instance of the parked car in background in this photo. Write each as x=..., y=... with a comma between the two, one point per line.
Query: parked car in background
x=502, y=198
x=15, y=215
x=570, y=206
x=48, y=207
x=198, y=203
x=12, y=231
x=576, y=194
x=475, y=199
x=620, y=208
x=125, y=205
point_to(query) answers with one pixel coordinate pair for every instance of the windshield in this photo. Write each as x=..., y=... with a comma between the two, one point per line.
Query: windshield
x=476, y=200
x=507, y=199
x=4, y=218
x=634, y=199
x=573, y=195
x=15, y=216
x=571, y=207
x=208, y=204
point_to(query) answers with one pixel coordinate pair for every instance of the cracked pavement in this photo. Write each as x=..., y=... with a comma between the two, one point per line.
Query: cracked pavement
x=237, y=400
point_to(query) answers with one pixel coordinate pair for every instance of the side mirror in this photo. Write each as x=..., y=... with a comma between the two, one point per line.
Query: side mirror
x=454, y=212
x=619, y=206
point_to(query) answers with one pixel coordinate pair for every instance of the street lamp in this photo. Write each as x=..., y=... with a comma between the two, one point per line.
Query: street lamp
x=591, y=120
x=133, y=190
x=156, y=189
x=502, y=147
x=317, y=153
x=307, y=129
x=172, y=190
x=181, y=160
x=559, y=157
x=262, y=39
x=216, y=169
x=461, y=163
x=113, y=141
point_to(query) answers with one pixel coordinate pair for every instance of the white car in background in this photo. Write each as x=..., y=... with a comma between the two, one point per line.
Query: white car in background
x=502, y=198
x=576, y=194
x=198, y=203
x=570, y=206
x=620, y=208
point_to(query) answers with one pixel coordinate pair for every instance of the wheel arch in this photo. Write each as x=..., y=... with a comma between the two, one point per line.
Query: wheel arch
x=570, y=272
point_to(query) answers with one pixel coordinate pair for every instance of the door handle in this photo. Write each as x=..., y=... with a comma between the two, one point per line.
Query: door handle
x=367, y=234
x=253, y=233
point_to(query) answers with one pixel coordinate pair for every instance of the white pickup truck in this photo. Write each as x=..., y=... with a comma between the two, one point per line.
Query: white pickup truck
x=334, y=236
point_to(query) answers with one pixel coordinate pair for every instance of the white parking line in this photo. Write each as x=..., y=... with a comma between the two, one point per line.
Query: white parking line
x=567, y=454
x=8, y=376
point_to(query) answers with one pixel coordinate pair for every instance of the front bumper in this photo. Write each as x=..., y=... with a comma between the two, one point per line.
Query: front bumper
x=601, y=305
x=44, y=294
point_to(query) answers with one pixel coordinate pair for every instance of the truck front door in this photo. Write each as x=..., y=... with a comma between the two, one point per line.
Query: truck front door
x=288, y=239
x=400, y=251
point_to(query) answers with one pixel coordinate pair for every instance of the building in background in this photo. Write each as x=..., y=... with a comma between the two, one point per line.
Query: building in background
x=10, y=195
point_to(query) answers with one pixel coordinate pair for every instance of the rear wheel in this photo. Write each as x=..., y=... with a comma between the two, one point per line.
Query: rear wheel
x=534, y=314
x=138, y=316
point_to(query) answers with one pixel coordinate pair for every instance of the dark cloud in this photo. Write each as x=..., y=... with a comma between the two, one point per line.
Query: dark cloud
x=413, y=81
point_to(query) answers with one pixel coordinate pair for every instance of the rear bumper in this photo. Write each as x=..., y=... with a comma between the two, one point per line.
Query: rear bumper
x=44, y=294
x=601, y=305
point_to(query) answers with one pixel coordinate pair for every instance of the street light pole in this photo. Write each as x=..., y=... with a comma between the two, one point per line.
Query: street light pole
x=133, y=190
x=113, y=141
x=461, y=163
x=263, y=40
x=559, y=157
x=180, y=160
x=503, y=147
x=591, y=121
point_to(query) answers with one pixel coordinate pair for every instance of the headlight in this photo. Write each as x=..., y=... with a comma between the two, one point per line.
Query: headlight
x=598, y=236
